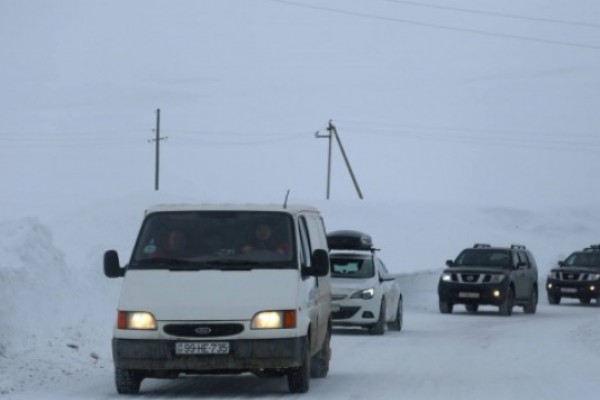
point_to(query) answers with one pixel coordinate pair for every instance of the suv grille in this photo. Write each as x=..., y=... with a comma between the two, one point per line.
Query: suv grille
x=572, y=276
x=203, y=330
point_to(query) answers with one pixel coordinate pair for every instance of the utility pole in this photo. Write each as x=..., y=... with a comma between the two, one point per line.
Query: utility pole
x=333, y=133
x=157, y=142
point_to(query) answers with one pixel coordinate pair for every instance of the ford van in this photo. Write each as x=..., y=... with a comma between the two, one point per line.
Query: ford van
x=224, y=289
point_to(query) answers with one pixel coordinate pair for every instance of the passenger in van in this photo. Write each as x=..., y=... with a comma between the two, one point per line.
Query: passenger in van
x=265, y=240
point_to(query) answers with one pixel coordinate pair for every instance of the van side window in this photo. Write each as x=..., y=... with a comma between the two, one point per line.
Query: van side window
x=304, y=243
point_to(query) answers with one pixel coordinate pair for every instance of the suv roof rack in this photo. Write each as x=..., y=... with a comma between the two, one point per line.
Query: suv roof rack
x=481, y=245
x=593, y=247
x=517, y=246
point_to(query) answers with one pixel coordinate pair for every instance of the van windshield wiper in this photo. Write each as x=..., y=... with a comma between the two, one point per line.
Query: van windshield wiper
x=176, y=264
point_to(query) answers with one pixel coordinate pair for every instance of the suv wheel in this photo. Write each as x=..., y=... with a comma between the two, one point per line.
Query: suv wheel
x=553, y=298
x=379, y=327
x=507, y=307
x=446, y=308
x=531, y=306
x=472, y=307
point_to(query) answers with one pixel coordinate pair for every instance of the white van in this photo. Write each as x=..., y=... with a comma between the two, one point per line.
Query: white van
x=224, y=289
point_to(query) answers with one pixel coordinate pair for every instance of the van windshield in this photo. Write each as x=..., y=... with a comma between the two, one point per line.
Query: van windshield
x=184, y=240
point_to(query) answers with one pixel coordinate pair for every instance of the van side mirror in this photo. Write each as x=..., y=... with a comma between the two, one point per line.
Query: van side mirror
x=320, y=263
x=112, y=267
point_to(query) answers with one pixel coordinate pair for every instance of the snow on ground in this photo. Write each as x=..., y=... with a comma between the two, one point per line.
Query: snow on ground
x=58, y=310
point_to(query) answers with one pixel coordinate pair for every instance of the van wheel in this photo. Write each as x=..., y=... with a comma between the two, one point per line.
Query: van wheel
x=299, y=377
x=319, y=364
x=128, y=381
x=396, y=324
x=379, y=327
x=506, y=308
x=531, y=306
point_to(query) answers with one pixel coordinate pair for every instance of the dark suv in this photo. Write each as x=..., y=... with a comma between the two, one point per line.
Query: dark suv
x=577, y=277
x=486, y=275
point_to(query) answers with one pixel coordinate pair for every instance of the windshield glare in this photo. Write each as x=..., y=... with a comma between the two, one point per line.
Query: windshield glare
x=352, y=268
x=483, y=258
x=215, y=238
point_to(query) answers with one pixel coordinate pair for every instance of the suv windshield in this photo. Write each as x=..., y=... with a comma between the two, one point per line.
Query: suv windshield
x=358, y=268
x=583, y=259
x=483, y=258
x=215, y=239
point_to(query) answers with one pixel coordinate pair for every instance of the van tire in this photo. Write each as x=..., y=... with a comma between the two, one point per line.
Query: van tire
x=299, y=377
x=319, y=364
x=128, y=381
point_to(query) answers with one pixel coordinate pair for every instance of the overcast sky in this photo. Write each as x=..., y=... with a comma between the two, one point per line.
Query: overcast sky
x=442, y=102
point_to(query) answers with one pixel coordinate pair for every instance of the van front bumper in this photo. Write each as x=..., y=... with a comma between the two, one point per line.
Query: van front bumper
x=244, y=355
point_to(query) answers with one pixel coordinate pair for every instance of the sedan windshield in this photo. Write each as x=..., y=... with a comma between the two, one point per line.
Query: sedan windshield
x=357, y=268
x=483, y=258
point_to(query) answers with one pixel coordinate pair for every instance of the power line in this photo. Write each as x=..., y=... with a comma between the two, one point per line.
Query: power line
x=495, y=14
x=437, y=26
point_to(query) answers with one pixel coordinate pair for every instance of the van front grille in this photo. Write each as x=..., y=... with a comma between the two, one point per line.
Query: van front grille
x=203, y=330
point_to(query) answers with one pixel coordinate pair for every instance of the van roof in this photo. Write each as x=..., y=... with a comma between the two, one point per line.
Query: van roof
x=291, y=208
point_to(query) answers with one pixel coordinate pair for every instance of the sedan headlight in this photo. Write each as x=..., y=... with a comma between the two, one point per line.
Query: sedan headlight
x=141, y=320
x=496, y=278
x=284, y=319
x=366, y=294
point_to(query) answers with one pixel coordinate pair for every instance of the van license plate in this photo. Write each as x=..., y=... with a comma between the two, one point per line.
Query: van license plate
x=468, y=295
x=201, y=348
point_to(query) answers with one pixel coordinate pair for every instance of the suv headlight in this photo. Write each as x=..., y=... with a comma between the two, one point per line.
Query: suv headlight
x=593, y=277
x=496, y=278
x=446, y=277
x=553, y=275
x=366, y=294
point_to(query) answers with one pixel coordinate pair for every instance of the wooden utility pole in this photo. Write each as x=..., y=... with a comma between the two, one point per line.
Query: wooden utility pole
x=333, y=133
x=157, y=143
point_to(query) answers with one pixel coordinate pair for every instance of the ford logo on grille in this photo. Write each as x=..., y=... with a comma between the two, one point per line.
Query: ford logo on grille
x=202, y=331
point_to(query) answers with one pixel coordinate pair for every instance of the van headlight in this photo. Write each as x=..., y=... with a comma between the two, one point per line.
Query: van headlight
x=366, y=294
x=284, y=319
x=141, y=320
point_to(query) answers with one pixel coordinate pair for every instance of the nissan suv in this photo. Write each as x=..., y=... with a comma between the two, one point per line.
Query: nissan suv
x=490, y=275
x=577, y=277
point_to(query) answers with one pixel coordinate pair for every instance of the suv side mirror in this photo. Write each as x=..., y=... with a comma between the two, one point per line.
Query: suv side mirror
x=561, y=263
x=112, y=267
x=320, y=264
x=449, y=263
